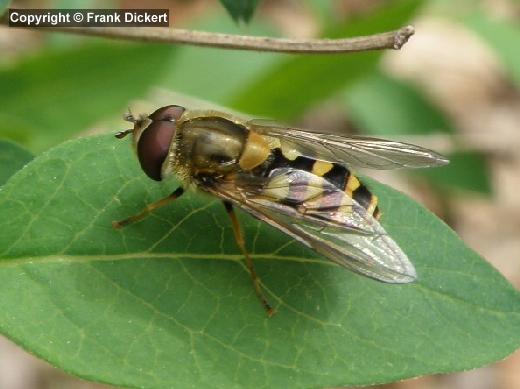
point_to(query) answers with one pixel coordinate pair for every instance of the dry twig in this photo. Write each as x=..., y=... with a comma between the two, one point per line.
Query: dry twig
x=387, y=40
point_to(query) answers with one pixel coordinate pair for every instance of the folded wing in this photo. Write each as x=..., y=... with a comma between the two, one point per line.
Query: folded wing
x=318, y=214
x=361, y=152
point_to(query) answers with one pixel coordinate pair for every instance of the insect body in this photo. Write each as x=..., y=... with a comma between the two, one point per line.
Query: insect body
x=295, y=180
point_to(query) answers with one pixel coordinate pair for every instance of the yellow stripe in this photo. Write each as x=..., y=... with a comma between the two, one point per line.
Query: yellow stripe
x=290, y=154
x=320, y=168
x=373, y=204
x=255, y=152
x=352, y=185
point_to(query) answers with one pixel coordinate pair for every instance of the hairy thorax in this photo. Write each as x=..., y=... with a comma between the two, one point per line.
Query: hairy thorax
x=216, y=147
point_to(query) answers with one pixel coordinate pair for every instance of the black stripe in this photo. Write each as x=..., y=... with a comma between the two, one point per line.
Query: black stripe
x=299, y=163
x=337, y=176
x=363, y=196
x=277, y=160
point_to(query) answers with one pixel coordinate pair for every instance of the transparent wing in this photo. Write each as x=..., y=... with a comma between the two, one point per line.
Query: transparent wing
x=359, y=151
x=316, y=213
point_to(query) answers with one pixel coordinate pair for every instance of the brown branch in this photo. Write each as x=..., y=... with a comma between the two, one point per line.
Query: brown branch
x=387, y=40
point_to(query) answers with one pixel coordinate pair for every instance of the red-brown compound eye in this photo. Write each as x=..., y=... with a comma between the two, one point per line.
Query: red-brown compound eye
x=168, y=113
x=153, y=146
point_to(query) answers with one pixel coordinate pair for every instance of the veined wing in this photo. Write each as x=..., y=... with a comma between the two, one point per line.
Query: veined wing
x=318, y=214
x=355, y=151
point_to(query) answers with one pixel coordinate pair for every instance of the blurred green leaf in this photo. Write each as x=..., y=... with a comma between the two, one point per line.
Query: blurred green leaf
x=12, y=158
x=324, y=11
x=4, y=4
x=285, y=91
x=216, y=74
x=167, y=303
x=466, y=171
x=16, y=129
x=58, y=93
x=381, y=105
x=240, y=9
x=72, y=4
x=504, y=37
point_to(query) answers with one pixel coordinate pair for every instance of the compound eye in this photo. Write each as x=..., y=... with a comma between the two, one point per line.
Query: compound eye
x=153, y=146
x=168, y=113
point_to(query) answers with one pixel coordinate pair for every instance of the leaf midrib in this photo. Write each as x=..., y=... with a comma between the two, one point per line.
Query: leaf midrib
x=237, y=258
x=60, y=258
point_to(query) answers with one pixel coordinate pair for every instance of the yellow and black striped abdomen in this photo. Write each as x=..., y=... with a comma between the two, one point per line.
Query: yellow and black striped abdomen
x=334, y=173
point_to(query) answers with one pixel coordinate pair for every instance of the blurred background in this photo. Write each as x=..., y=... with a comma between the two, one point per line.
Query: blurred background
x=455, y=88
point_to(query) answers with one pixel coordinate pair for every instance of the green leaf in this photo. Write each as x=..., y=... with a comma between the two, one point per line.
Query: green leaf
x=12, y=158
x=167, y=302
x=58, y=93
x=240, y=9
x=466, y=171
x=381, y=105
x=285, y=91
x=503, y=37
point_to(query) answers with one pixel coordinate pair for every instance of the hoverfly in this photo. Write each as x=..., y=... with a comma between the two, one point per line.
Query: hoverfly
x=296, y=180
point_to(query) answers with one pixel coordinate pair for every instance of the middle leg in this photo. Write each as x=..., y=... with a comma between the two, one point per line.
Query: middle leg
x=249, y=261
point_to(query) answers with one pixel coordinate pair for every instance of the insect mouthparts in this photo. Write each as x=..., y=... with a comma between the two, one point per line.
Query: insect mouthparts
x=122, y=134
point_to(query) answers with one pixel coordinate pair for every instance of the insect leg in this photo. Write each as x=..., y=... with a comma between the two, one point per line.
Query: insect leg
x=149, y=208
x=249, y=261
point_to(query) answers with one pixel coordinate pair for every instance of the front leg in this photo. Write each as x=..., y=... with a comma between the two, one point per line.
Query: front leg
x=149, y=208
